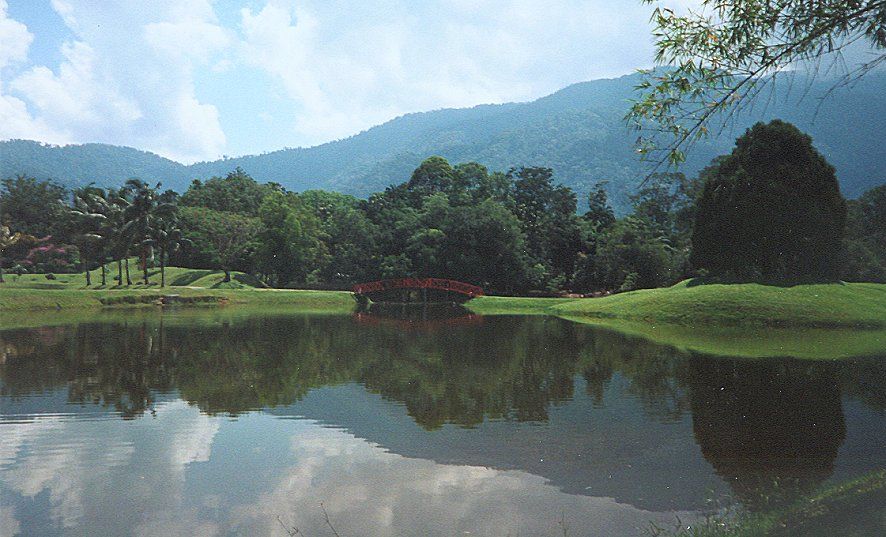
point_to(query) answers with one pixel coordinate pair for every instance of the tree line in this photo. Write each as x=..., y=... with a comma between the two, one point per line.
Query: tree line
x=770, y=210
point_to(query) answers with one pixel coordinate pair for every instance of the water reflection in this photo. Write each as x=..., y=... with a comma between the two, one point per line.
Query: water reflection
x=771, y=429
x=491, y=408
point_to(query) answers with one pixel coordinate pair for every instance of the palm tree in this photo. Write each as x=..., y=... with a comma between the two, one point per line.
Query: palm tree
x=7, y=239
x=122, y=231
x=167, y=238
x=145, y=209
x=87, y=220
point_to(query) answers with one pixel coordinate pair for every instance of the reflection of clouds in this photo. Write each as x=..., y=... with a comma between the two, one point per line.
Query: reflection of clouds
x=176, y=524
x=130, y=477
x=8, y=524
x=367, y=491
x=79, y=461
x=191, y=440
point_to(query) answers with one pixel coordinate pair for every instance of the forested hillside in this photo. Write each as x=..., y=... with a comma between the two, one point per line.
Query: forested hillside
x=578, y=131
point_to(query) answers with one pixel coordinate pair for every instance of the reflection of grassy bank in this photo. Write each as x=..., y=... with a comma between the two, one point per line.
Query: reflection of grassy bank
x=847, y=509
x=754, y=342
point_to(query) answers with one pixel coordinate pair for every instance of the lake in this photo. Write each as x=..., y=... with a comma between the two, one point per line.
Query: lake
x=223, y=423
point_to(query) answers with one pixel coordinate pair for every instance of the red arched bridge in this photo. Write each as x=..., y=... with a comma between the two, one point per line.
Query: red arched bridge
x=416, y=290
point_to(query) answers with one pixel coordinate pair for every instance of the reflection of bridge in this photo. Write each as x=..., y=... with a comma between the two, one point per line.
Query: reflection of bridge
x=408, y=290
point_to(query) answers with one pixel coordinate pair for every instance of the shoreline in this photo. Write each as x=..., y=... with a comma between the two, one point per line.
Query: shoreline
x=815, y=321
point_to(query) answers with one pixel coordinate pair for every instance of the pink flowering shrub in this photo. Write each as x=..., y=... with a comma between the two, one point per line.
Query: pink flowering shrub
x=49, y=257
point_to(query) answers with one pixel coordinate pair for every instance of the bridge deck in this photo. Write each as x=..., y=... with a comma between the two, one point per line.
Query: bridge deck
x=387, y=290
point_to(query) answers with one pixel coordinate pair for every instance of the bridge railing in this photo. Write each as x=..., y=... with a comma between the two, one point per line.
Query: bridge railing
x=419, y=283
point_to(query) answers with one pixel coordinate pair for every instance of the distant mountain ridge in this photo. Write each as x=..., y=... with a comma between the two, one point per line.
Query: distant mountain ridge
x=578, y=131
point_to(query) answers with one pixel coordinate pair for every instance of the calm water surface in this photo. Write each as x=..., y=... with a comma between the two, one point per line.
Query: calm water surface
x=220, y=424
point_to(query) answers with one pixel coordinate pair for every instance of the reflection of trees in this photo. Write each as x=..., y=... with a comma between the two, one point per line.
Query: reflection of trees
x=771, y=429
x=502, y=368
x=512, y=368
x=656, y=374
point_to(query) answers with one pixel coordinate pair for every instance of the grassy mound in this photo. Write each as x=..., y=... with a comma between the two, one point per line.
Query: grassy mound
x=696, y=304
x=175, y=277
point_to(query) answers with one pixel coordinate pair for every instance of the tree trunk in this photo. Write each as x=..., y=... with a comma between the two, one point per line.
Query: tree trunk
x=86, y=270
x=126, y=263
x=145, y=263
x=162, y=268
x=227, y=276
x=104, y=271
x=1, y=273
x=120, y=272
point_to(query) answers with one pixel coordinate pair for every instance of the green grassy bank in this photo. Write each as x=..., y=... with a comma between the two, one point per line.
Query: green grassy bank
x=30, y=293
x=816, y=321
x=695, y=305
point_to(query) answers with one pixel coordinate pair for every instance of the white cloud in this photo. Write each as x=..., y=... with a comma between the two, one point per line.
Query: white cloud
x=15, y=39
x=324, y=70
x=348, y=69
x=128, y=79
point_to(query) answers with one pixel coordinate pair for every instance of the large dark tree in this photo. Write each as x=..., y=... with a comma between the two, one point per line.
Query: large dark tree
x=770, y=209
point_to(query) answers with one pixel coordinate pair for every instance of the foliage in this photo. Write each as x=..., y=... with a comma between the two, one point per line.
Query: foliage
x=32, y=207
x=288, y=246
x=222, y=237
x=866, y=237
x=772, y=209
x=237, y=192
x=722, y=52
x=633, y=255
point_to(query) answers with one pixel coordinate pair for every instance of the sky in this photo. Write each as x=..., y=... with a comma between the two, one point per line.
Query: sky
x=201, y=79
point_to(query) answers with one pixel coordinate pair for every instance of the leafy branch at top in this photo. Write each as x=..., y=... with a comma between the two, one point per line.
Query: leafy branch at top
x=723, y=54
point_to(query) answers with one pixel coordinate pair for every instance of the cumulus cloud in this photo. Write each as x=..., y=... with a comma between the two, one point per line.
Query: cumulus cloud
x=15, y=119
x=347, y=69
x=127, y=78
x=164, y=75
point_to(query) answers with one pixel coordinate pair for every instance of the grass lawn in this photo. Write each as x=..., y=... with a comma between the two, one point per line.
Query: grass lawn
x=814, y=321
x=693, y=304
x=23, y=295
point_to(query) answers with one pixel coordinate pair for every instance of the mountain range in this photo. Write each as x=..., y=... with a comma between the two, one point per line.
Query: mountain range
x=578, y=131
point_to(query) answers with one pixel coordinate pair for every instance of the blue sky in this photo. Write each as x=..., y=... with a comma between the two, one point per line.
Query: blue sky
x=198, y=79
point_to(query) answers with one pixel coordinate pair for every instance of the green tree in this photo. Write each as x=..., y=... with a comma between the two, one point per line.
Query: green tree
x=547, y=214
x=237, y=192
x=167, y=237
x=720, y=56
x=632, y=254
x=346, y=233
x=226, y=236
x=435, y=174
x=32, y=207
x=599, y=214
x=772, y=208
x=866, y=237
x=289, y=246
